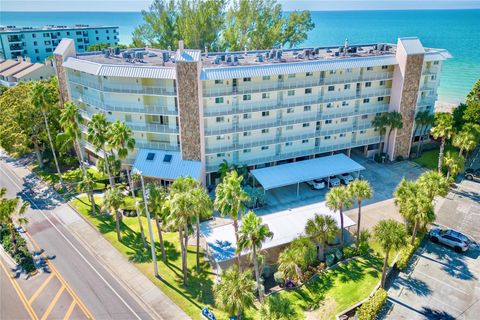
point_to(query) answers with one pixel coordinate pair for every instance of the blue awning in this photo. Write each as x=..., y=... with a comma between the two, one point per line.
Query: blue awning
x=167, y=165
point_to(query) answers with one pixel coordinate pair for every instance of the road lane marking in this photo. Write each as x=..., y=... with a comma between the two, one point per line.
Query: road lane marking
x=20, y=293
x=40, y=289
x=73, y=247
x=69, y=311
x=53, y=303
x=442, y=282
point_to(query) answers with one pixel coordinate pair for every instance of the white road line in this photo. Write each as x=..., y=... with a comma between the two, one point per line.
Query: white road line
x=442, y=282
x=74, y=248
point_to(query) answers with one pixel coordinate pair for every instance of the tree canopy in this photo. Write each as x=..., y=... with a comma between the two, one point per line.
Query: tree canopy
x=252, y=24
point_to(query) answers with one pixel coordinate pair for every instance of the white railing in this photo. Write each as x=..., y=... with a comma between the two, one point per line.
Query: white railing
x=151, y=127
x=157, y=145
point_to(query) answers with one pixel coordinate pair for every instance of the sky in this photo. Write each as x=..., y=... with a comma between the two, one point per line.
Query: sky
x=288, y=5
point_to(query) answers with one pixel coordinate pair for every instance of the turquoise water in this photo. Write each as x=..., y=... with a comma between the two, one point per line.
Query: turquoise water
x=455, y=30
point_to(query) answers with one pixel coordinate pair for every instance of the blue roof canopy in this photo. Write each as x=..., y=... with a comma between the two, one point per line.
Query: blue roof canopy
x=167, y=165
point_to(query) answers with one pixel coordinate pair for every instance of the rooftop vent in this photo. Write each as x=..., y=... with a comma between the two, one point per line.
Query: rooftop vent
x=167, y=158
x=150, y=156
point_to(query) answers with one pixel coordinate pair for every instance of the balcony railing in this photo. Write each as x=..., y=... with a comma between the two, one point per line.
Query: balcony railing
x=157, y=145
x=355, y=112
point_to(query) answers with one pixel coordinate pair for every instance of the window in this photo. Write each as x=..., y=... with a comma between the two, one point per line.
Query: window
x=265, y=148
x=342, y=135
x=291, y=75
x=221, y=155
x=108, y=38
x=265, y=131
x=68, y=33
x=247, y=133
x=220, y=119
x=78, y=33
x=96, y=31
x=327, y=137
x=384, y=67
x=369, y=68
x=159, y=119
x=309, y=74
x=329, y=105
x=221, y=137
x=349, y=70
x=346, y=87
x=266, y=78
x=344, y=119
x=291, y=93
x=48, y=43
x=308, y=90
x=289, y=128
x=306, y=125
x=332, y=71
x=366, y=100
x=434, y=77
x=362, y=131
x=307, y=108
x=435, y=62
x=265, y=95
x=290, y=110
x=150, y=156
x=219, y=100
x=79, y=40
x=368, y=84
x=108, y=31
x=35, y=43
x=331, y=88
x=97, y=38
x=305, y=141
x=247, y=97
x=328, y=121
x=288, y=144
x=247, y=79
x=46, y=35
x=247, y=150
x=344, y=103
x=48, y=49
x=380, y=98
x=365, y=116
x=265, y=113
x=36, y=51
x=218, y=81
x=247, y=116
x=34, y=35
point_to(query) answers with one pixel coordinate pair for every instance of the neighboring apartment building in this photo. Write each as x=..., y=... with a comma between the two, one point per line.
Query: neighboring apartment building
x=254, y=108
x=15, y=71
x=39, y=43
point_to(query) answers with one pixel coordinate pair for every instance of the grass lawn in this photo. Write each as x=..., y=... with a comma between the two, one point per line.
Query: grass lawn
x=337, y=289
x=190, y=298
x=71, y=176
x=429, y=159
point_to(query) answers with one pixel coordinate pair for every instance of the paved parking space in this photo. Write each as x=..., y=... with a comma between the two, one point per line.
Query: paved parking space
x=440, y=284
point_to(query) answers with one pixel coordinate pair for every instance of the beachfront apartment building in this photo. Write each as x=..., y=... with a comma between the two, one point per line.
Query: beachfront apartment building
x=38, y=43
x=190, y=110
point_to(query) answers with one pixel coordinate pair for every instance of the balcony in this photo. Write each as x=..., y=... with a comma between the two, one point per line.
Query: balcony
x=355, y=112
x=157, y=145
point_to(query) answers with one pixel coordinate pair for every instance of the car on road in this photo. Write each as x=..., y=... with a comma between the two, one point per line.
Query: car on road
x=454, y=239
x=334, y=181
x=345, y=178
x=317, y=184
x=472, y=174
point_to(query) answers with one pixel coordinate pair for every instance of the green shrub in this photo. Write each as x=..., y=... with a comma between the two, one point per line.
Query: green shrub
x=363, y=245
x=370, y=309
x=256, y=197
x=349, y=252
x=399, y=158
x=407, y=252
x=338, y=254
x=278, y=277
x=379, y=158
x=330, y=259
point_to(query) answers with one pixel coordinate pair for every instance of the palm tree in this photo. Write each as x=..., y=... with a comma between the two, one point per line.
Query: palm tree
x=43, y=100
x=223, y=169
x=9, y=209
x=380, y=124
x=230, y=200
x=112, y=201
x=338, y=199
x=391, y=235
x=394, y=120
x=156, y=204
x=443, y=129
x=202, y=209
x=426, y=121
x=421, y=120
x=131, y=178
x=235, y=292
x=69, y=120
x=120, y=138
x=419, y=210
x=454, y=163
x=465, y=140
x=87, y=185
x=288, y=264
x=360, y=190
x=277, y=307
x=97, y=134
x=252, y=235
x=321, y=228
x=433, y=184
x=402, y=195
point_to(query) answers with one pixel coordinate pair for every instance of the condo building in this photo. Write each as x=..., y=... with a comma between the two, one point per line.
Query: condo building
x=191, y=110
x=38, y=43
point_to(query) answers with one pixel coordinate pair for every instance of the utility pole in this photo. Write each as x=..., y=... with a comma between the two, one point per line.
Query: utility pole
x=152, y=240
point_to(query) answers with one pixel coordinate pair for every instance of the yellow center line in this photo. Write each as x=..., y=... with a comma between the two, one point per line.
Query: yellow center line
x=69, y=311
x=20, y=293
x=53, y=303
x=40, y=289
x=64, y=282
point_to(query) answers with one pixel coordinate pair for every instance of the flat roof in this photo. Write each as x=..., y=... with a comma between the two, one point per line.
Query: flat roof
x=286, y=225
x=14, y=29
x=16, y=68
x=306, y=170
x=28, y=70
x=6, y=64
x=166, y=165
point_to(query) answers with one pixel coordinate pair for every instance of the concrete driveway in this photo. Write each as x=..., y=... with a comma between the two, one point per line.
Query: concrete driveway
x=440, y=284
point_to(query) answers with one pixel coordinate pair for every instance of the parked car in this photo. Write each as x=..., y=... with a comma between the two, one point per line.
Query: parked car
x=334, y=181
x=454, y=239
x=317, y=184
x=345, y=178
x=472, y=174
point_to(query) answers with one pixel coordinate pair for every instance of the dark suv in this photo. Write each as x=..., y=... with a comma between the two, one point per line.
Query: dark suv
x=472, y=174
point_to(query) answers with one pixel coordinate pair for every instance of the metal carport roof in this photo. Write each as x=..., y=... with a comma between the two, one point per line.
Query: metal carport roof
x=306, y=170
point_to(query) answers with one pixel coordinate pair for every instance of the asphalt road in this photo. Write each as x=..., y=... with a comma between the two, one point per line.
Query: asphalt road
x=90, y=284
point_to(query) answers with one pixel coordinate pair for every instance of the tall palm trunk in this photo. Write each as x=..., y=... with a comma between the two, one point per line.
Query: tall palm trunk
x=107, y=167
x=53, y=149
x=257, y=274
x=384, y=270
x=380, y=149
x=321, y=251
x=235, y=227
x=420, y=140
x=185, y=248
x=388, y=143
x=132, y=190
x=423, y=138
x=460, y=153
x=341, y=227
x=36, y=148
x=358, y=222
x=414, y=233
x=160, y=239
x=198, y=242
x=14, y=237
x=182, y=249
x=92, y=202
x=440, y=155
x=448, y=173
x=117, y=223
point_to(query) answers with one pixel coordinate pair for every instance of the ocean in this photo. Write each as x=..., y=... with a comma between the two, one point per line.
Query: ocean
x=455, y=30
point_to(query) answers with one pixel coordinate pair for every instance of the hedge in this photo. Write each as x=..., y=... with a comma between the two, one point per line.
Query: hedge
x=407, y=252
x=23, y=257
x=370, y=309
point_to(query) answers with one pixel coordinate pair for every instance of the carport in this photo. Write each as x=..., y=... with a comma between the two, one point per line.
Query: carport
x=306, y=170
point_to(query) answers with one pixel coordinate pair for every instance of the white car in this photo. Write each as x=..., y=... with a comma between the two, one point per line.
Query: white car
x=334, y=181
x=317, y=184
x=345, y=178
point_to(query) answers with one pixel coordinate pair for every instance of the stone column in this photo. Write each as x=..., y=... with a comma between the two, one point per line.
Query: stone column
x=64, y=50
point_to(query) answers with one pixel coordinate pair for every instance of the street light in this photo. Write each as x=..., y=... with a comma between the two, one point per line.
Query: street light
x=152, y=240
